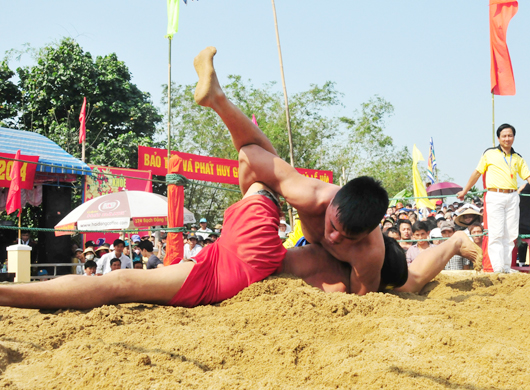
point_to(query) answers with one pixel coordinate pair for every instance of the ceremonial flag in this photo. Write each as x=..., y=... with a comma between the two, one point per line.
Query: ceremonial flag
x=13, y=196
x=172, y=17
x=82, y=120
x=502, y=80
x=431, y=163
x=417, y=183
x=254, y=120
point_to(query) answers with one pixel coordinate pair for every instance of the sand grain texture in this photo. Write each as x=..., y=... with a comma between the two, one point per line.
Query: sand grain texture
x=462, y=332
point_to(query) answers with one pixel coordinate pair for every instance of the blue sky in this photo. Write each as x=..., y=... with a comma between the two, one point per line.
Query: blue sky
x=429, y=59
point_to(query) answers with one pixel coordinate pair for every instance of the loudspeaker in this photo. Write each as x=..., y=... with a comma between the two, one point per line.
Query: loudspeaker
x=56, y=204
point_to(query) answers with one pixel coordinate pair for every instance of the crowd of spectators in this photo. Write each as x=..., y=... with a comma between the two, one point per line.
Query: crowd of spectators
x=420, y=229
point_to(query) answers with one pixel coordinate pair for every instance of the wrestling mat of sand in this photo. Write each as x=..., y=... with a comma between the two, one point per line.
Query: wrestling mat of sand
x=465, y=331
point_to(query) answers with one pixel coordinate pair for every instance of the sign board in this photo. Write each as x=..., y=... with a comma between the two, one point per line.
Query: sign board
x=27, y=171
x=212, y=169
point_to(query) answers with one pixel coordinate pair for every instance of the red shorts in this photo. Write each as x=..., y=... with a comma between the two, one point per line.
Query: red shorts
x=248, y=251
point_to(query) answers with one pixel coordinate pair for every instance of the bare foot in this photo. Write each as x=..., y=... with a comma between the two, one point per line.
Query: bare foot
x=470, y=250
x=208, y=88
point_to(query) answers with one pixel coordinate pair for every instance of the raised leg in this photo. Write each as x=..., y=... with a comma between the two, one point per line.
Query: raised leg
x=208, y=93
x=431, y=262
x=86, y=292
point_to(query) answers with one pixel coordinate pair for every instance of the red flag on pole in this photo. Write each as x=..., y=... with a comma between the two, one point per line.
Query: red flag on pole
x=502, y=80
x=82, y=120
x=13, y=196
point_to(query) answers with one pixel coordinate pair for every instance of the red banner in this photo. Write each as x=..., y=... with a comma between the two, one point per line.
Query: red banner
x=212, y=169
x=27, y=171
x=107, y=180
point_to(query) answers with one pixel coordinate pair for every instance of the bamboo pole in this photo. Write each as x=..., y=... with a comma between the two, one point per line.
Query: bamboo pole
x=19, y=226
x=83, y=150
x=493, y=116
x=287, y=116
x=169, y=105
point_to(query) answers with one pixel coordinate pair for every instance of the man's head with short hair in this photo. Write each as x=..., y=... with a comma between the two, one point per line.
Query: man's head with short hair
x=503, y=127
x=118, y=247
x=90, y=267
x=138, y=265
x=147, y=246
x=420, y=231
x=115, y=264
x=356, y=210
x=393, y=232
x=405, y=228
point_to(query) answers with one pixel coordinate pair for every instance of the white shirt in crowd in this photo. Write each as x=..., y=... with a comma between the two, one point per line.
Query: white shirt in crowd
x=204, y=232
x=190, y=254
x=104, y=263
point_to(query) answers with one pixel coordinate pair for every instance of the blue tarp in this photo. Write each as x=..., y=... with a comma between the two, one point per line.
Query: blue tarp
x=49, y=152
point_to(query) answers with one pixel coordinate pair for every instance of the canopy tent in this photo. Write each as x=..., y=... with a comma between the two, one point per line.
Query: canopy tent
x=34, y=144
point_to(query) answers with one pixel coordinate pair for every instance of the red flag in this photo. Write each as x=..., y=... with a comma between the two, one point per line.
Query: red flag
x=149, y=183
x=13, y=196
x=502, y=80
x=82, y=120
x=254, y=120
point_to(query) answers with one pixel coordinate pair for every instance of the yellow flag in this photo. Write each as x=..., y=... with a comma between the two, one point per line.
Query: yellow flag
x=172, y=17
x=417, y=183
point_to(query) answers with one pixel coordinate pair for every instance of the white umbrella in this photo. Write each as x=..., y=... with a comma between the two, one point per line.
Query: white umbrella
x=120, y=210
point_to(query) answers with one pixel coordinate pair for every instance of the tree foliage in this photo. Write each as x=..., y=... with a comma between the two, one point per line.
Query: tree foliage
x=369, y=151
x=359, y=144
x=51, y=96
x=9, y=93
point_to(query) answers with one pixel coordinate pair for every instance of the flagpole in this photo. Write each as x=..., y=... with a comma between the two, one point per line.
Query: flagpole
x=169, y=105
x=83, y=151
x=493, y=117
x=288, y=117
x=19, y=226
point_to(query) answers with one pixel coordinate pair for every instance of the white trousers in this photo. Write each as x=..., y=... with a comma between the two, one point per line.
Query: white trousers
x=503, y=228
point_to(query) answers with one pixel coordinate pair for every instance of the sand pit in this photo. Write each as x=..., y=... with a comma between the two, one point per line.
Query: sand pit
x=462, y=332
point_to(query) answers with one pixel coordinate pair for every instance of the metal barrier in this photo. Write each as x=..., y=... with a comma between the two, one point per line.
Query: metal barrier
x=54, y=265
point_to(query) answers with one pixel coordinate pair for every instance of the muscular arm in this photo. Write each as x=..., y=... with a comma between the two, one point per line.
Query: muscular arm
x=303, y=193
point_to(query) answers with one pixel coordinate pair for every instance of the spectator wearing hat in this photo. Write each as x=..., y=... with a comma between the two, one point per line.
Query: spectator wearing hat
x=147, y=251
x=79, y=257
x=88, y=254
x=192, y=247
x=468, y=217
x=204, y=230
x=90, y=244
x=420, y=231
x=387, y=224
x=100, y=252
x=435, y=236
x=502, y=165
x=457, y=262
x=284, y=228
x=218, y=228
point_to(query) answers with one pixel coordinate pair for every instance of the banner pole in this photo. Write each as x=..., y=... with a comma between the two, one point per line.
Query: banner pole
x=19, y=225
x=169, y=104
x=287, y=116
x=83, y=151
x=493, y=117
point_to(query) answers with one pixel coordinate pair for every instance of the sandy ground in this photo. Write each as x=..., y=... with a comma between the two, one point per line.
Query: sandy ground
x=465, y=331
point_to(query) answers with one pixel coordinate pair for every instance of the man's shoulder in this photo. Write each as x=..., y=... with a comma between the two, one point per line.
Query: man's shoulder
x=493, y=149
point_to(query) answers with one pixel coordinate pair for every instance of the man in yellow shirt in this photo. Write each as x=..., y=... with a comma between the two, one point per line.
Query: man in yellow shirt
x=502, y=165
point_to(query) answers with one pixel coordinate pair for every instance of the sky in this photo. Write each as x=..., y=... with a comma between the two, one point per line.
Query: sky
x=430, y=60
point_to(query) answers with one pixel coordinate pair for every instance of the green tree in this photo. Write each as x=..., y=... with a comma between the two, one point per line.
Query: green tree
x=52, y=93
x=199, y=130
x=9, y=94
x=369, y=151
